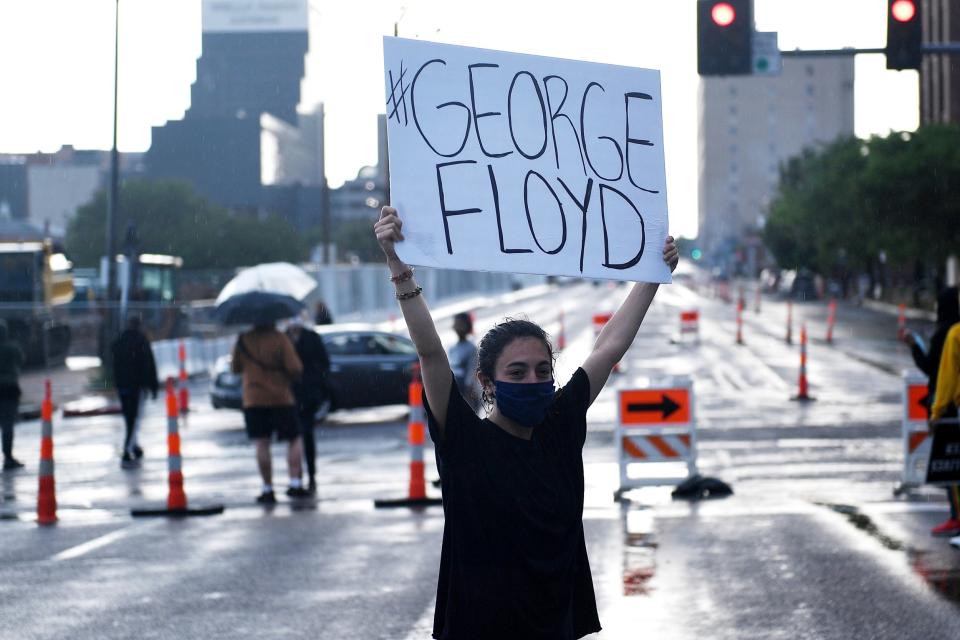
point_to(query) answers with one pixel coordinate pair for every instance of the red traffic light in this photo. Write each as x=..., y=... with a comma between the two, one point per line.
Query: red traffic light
x=903, y=10
x=723, y=14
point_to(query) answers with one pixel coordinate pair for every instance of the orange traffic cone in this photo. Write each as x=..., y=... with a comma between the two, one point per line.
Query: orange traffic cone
x=740, y=306
x=561, y=334
x=803, y=394
x=789, y=338
x=901, y=321
x=47, y=494
x=416, y=430
x=184, y=392
x=831, y=320
x=176, y=497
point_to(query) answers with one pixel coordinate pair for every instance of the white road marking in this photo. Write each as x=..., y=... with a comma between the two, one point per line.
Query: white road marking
x=98, y=543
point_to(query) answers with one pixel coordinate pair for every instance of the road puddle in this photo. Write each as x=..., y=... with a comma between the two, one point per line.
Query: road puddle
x=940, y=571
x=639, y=552
x=943, y=580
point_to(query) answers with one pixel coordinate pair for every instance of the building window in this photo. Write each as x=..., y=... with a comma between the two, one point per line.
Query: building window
x=810, y=70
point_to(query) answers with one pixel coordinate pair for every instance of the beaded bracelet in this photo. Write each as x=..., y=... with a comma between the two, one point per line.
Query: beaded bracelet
x=410, y=294
x=403, y=276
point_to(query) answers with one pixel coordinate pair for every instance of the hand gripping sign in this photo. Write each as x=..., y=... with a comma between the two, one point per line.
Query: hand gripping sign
x=525, y=164
x=656, y=425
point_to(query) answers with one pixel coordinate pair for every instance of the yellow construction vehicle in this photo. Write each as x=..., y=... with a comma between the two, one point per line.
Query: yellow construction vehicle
x=36, y=285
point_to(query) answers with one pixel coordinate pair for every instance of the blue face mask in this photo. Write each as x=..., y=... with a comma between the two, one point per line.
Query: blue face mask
x=525, y=403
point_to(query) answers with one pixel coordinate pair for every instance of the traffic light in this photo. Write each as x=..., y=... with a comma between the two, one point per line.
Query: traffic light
x=904, y=34
x=724, y=37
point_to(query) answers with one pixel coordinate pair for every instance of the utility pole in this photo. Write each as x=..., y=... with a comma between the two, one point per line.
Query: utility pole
x=109, y=328
x=114, y=197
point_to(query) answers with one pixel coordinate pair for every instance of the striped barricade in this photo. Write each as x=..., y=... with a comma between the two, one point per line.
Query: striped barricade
x=915, y=432
x=690, y=324
x=656, y=436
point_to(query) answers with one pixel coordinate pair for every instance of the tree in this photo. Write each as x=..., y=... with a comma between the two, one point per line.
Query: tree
x=171, y=218
x=845, y=203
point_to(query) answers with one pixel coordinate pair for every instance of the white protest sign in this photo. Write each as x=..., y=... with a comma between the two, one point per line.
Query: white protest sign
x=525, y=164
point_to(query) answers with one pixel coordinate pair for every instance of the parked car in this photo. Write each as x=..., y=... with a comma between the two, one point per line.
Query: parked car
x=368, y=368
x=798, y=285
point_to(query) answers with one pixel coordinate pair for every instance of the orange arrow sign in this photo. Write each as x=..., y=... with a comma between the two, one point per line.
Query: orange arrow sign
x=655, y=406
x=917, y=402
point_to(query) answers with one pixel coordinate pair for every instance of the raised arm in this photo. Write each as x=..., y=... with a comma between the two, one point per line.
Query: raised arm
x=434, y=367
x=618, y=334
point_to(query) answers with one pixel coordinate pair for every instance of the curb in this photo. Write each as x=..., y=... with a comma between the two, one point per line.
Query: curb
x=90, y=406
x=893, y=310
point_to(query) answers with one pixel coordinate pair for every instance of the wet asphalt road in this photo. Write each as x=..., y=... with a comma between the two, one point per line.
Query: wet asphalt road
x=812, y=545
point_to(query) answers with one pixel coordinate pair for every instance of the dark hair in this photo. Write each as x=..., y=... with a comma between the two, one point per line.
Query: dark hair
x=496, y=340
x=465, y=319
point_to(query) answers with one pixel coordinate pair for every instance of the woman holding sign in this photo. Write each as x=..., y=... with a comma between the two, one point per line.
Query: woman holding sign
x=513, y=562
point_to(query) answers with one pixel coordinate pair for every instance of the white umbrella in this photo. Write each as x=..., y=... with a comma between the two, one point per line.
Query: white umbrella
x=273, y=277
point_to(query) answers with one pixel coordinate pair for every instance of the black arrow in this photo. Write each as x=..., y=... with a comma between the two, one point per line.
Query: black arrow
x=922, y=402
x=667, y=406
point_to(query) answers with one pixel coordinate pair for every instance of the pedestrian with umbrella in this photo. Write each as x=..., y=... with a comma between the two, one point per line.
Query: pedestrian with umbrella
x=268, y=363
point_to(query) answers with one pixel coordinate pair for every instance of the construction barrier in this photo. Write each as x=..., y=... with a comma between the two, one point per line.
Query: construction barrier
x=803, y=391
x=656, y=436
x=831, y=320
x=416, y=435
x=690, y=324
x=176, y=496
x=47, y=494
x=600, y=320
x=915, y=431
x=184, y=391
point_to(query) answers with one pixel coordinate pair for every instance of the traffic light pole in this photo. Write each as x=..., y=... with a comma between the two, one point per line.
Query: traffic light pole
x=940, y=47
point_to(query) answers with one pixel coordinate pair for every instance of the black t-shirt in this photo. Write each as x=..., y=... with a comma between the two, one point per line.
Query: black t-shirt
x=514, y=562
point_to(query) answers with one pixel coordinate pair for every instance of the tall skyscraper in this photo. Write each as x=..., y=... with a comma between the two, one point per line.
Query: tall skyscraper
x=242, y=142
x=748, y=126
x=940, y=74
x=253, y=59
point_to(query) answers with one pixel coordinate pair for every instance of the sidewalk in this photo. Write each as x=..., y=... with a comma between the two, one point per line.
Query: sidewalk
x=68, y=382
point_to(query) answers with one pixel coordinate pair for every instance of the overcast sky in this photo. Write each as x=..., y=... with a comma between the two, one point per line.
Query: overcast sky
x=56, y=75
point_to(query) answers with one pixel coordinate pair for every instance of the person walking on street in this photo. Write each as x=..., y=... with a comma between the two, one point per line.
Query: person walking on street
x=946, y=401
x=928, y=361
x=513, y=561
x=269, y=366
x=463, y=360
x=134, y=374
x=11, y=359
x=322, y=314
x=310, y=390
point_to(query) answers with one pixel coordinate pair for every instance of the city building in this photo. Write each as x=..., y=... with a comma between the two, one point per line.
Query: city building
x=940, y=74
x=749, y=125
x=362, y=197
x=44, y=190
x=243, y=142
